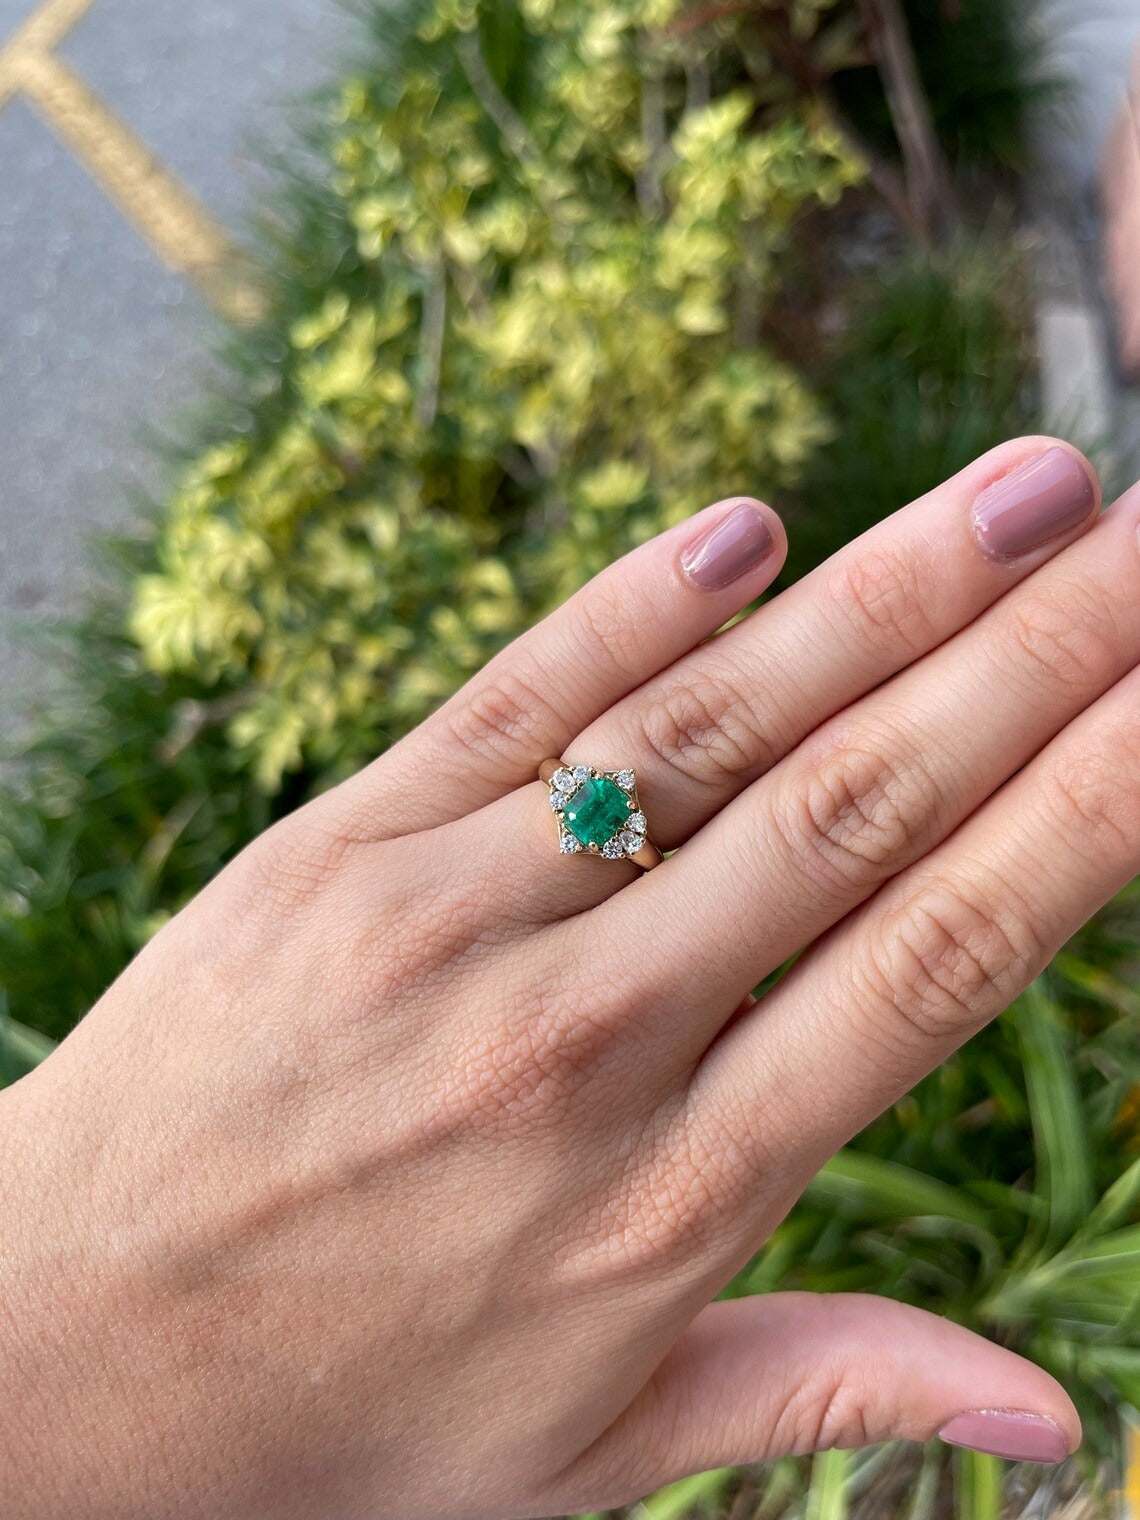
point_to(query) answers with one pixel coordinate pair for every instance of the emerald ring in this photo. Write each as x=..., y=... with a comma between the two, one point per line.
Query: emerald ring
x=597, y=812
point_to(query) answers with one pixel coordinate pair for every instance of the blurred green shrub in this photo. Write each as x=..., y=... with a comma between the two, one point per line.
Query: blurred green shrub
x=545, y=347
x=934, y=367
x=127, y=800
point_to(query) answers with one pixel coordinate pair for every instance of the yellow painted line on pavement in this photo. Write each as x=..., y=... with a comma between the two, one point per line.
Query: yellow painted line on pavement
x=1130, y=1493
x=178, y=227
x=44, y=29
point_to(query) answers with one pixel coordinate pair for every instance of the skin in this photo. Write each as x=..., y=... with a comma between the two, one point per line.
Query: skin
x=396, y=1176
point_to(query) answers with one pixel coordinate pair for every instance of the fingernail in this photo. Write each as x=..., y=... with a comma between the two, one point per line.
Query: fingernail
x=729, y=549
x=1035, y=503
x=1009, y=1433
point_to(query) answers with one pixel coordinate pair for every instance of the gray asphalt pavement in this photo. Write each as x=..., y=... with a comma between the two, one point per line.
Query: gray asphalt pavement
x=99, y=342
x=1091, y=43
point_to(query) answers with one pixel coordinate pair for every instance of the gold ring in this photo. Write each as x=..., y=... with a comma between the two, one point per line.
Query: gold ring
x=597, y=812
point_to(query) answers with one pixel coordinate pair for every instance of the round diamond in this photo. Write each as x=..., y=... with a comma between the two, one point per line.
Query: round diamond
x=629, y=841
x=564, y=780
x=624, y=779
x=613, y=849
x=557, y=800
x=582, y=773
x=568, y=844
x=637, y=821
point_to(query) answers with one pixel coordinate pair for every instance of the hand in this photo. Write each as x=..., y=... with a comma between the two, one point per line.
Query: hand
x=396, y=1175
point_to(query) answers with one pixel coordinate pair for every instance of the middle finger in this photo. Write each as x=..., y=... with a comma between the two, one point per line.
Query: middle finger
x=724, y=715
x=878, y=786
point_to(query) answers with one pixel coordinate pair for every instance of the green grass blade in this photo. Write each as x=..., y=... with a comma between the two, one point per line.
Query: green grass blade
x=827, y=1496
x=1118, y=1206
x=21, y=1049
x=866, y=1186
x=780, y=1483
x=1064, y=1168
x=977, y=1486
x=1120, y=1365
x=925, y=1495
x=695, y=1493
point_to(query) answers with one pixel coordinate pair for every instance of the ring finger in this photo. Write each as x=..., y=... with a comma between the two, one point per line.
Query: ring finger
x=721, y=716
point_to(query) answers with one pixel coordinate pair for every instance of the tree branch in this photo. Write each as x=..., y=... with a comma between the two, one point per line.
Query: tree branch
x=495, y=103
x=928, y=185
x=650, y=191
x=432, y=332
x=796, y=62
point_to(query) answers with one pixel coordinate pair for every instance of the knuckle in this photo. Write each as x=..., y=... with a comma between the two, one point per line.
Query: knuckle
x=1065, y=637
x=947, y=962
x=504, y=718
x=1095, y=799
x=521, y=1076
x=698, y=1172
x=707, y=729
x=859, y=815
x=824, y=1413
x=612, y=619
x=881, y=595
x=441, y=926
x=289, y=866
x=667, y=1205
x=676, y=1208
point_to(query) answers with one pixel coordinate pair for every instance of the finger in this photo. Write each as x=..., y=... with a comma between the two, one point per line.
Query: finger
x=947, y=946
x=717, y=719
x=629, y=622
x=792, y=1373
x=875, y=789
x=699, y=733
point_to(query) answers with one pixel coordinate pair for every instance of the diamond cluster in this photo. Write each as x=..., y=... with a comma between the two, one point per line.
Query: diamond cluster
x=597, y=811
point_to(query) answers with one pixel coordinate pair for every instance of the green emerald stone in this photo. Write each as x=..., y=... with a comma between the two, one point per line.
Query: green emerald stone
x=596, y=812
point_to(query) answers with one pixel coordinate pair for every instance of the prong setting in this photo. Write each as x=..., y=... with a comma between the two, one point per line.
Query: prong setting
x=596, y=811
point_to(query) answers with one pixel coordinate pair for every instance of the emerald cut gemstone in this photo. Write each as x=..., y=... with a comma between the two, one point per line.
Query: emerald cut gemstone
x=597, y=811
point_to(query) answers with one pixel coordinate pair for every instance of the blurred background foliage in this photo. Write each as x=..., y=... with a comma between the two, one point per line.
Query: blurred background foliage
x=550, y=276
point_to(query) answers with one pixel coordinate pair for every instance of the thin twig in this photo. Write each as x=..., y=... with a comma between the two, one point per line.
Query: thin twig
x=512, y=128
x=695, y=20
x=747, y=313
x=495, y=103
x=884, y=177
x=193, y=717
x=928, y=183
x=650, y=190
x=432, y=332
x=794, y=60
x=698, y=82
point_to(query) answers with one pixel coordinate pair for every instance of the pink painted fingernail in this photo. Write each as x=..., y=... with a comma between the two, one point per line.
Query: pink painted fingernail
x=1010, y=1433
x=737, y=543
x=1039, y=501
